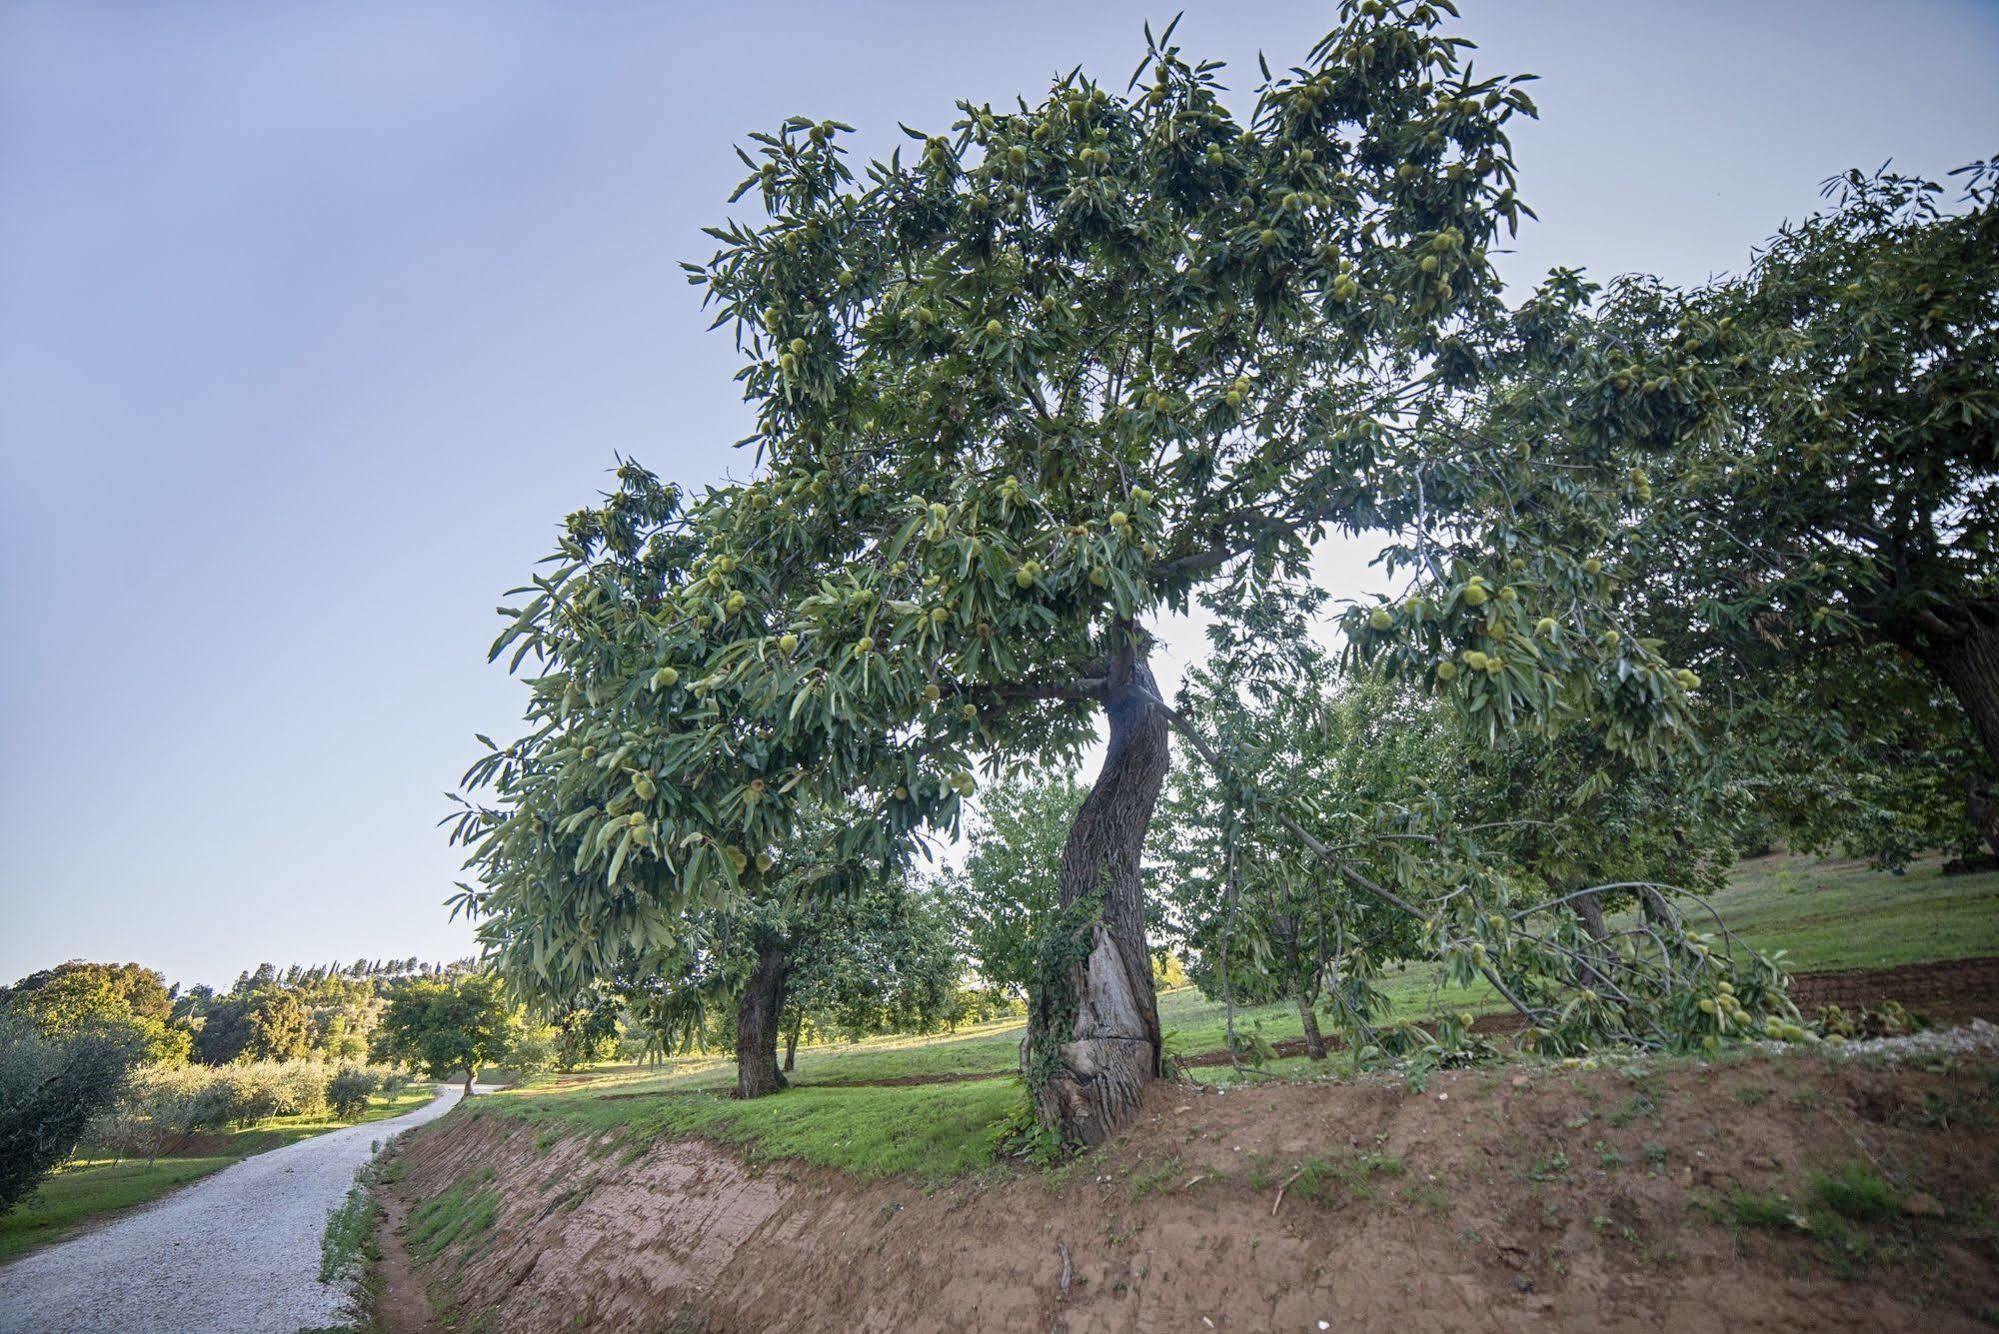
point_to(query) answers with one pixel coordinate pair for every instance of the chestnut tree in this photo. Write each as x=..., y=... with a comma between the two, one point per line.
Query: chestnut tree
x=1018, y=391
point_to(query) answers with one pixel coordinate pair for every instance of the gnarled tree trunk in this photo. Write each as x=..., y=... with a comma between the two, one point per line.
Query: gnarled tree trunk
x=1093, y=1021
x=757, y=1015
x=1964, y=653
x=1315, y=1045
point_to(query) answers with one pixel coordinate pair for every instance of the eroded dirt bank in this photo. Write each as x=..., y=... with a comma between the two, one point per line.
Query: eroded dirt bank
x=1492, y=1199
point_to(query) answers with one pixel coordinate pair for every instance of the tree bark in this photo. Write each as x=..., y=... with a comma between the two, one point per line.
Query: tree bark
x=1589, y=911
x=471, y=1076
x=1093, y=1025
x=1315, y=1045
x=791, y=1041
x=758, y=1013
x=1966, y=659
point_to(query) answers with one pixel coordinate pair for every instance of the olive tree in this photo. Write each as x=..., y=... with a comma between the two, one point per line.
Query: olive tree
x=1018, y=392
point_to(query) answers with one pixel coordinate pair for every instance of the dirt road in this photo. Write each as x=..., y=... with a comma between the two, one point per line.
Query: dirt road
x=236, y=1252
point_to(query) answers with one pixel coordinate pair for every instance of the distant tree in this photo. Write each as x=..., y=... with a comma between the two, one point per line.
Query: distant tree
x=268, y=1024
x=1007, y=893
x=587, y=1033
x=448, y=1028
x=884, y=960
x=78, y=997
x=280, y=1029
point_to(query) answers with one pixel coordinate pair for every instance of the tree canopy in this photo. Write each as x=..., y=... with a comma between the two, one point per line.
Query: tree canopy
x=1052, y=373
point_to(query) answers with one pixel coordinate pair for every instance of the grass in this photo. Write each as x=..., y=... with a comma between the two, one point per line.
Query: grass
x=349, y=1240
x=1328, y=1181
x=88, y=1190
x=1856, y=1191
x=460, y=1213
x=1831, y=913
x=931, y=1131
x=71, y=1198
x=1853, y=1194
x=1825, y=913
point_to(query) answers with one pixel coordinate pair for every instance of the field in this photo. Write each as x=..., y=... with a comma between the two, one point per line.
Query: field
x=920, y=1104
x=92, y=1190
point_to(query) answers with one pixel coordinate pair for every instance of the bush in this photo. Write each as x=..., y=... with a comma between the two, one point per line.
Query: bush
x=162, y=1105
x=50, y=1090
x=348, y=1090
x=533, y=1052
x=264, y=1089
x=305, y=1088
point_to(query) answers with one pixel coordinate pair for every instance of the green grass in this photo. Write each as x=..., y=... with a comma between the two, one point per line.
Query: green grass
x=931, y=1131
x=90, y=1189
x=278, y=1131
x=348, y=1242
x=1329, y=1181
x=464, y=1211
x=1831, y=913
x=1825, y=913
x=1857, y=1191
x=70, y=1198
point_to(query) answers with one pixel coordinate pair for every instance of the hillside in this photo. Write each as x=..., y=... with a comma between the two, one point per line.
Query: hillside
x=1789, y=1192
x=1758, y=1189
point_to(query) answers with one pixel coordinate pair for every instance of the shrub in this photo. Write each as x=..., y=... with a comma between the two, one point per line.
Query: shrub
x=304, y=1085
x=348, y=1090
x=533, y=1052
x=255, y=1091
x=162, y=1105
x=51, y=1088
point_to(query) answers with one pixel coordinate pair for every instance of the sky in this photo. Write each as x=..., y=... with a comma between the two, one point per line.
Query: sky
x=315, y=320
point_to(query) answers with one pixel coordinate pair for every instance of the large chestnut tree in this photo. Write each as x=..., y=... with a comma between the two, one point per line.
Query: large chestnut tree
x=1019, y=389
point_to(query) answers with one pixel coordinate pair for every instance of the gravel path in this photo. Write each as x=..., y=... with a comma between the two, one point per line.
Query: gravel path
x=237, y=1251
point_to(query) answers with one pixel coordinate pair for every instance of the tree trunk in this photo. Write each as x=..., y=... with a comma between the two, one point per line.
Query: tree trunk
x=1589, y=911
x=471, y=1077
x=1967, y=660
x=1659, y=912
x=758, y=1013
x=1093, y=1022
x=1315, y=1045
x=1964, y=653
x=791, y=1041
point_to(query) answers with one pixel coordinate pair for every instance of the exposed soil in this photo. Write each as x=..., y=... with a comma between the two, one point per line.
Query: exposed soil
x=1494, y=1198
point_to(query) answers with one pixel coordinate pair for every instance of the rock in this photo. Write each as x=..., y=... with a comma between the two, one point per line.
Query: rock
x=1918, y=1204
x=1513, y=1257
x=1522, y=1283
x=1762, y=1162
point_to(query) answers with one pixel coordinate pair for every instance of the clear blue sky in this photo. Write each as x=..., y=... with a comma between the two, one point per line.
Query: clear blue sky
x=315, y=318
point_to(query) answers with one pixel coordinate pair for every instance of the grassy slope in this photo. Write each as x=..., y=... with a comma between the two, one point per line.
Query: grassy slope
x=1827, y=914
x=88, y=1190
x=1834, y=914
